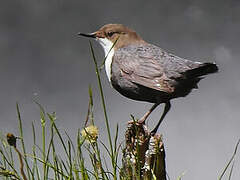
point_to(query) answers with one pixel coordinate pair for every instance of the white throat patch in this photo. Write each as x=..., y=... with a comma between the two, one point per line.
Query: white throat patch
x=107, y=45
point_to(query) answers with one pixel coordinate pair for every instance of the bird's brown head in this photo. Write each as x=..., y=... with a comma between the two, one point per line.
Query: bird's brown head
x=111, y=33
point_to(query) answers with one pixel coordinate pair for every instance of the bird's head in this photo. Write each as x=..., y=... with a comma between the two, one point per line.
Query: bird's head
x=114, y=33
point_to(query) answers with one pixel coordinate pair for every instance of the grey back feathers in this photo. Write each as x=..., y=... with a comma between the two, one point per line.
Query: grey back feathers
x=154, y=68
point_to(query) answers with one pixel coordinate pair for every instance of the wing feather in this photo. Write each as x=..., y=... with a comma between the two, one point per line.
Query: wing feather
x=140, y=66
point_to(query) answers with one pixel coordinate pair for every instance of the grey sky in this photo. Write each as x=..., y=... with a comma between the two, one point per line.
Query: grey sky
x=41, y=57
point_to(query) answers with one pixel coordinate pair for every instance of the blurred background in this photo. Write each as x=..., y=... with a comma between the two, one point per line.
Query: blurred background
x=43, y=59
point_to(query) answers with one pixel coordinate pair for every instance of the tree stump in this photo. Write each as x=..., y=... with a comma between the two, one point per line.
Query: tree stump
x=143, y=155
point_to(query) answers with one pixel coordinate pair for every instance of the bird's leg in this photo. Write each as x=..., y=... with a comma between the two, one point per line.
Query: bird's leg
x=145, y=116
x=166, y=109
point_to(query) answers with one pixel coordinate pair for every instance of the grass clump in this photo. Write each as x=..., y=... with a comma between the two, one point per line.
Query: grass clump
x=56, y=156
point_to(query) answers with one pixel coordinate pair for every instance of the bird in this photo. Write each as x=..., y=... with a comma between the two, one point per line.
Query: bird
x=142, y=71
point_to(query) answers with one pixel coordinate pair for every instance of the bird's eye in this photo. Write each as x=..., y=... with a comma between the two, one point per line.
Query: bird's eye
x=110, y=33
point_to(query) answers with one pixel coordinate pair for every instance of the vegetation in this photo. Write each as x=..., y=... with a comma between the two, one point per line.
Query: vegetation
x=45, y=161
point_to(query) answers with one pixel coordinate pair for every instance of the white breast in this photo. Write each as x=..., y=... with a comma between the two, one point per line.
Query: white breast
x=107, y=45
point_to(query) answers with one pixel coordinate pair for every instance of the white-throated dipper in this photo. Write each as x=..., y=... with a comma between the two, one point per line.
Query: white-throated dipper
x=144, y=72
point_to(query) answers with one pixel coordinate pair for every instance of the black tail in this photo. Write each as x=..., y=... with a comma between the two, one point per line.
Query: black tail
x=203, y=69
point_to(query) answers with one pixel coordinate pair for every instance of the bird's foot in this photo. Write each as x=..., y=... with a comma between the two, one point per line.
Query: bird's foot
x=138, y=122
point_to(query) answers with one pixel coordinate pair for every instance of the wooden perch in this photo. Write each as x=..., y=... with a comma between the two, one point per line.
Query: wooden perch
x=143, y=155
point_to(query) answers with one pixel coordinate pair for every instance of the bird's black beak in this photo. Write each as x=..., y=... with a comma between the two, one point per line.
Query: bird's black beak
x=91, y=35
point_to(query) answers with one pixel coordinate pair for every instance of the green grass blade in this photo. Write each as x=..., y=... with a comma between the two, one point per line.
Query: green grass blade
x=90, y=105
x=231, y=170
x=70, y=160
x=65, y=167
x=55, y=161
x=6, y=162
x=104, y=110
x=48, y=152
x=52, y=119
x=102, y=64
x=81, y=163
x=90, y=108
x=71, y=142
x=35, y=165
x=22, y=141
x=229, y=162
x=115, y=146
x=43, y=125
x=11, y=156
x=102, y=97
x=50, y=165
